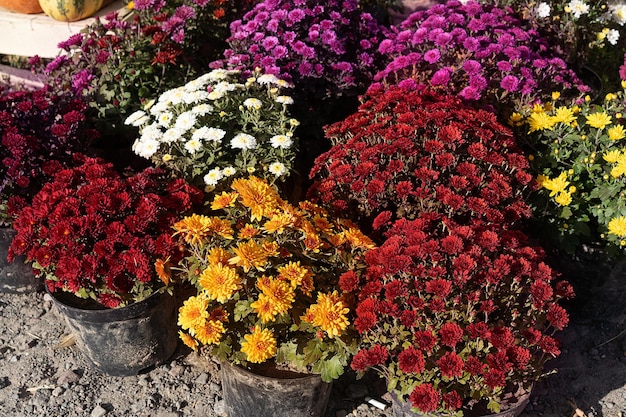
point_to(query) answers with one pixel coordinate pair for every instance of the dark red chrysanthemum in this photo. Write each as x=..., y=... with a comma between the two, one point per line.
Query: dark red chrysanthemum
x=425, y=397
x=411, y=360
x=450, y=334
x=425, y=339
x=452, y=400
x=450, y=365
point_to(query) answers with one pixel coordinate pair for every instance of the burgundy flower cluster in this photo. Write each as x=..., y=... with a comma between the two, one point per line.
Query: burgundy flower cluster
x=98, y=234
x=453, y=312
x=406, y=151
x=39, y=132
x=481, y=53
x=323, y=49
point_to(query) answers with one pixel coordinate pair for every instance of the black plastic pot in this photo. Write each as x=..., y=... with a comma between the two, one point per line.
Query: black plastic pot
x=248, y=394
x=126, y=340
x=16, y=277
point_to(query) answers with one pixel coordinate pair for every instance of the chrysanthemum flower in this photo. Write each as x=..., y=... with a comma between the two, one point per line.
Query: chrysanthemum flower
x=617, y=226
x=258, y=196
x=249, y=255
x=598, y=120
x=210, y=332
x=218, y=255
x=248, y=231
x=220, y=282
x=260, y=345
x=224, y=200
x=193, y=228
x=264, y=308
x=221, y=227
x=163, y=270
x=277, y=223
x=188, y=340
x=193, y=312
x=293, y=272
x=329, y=313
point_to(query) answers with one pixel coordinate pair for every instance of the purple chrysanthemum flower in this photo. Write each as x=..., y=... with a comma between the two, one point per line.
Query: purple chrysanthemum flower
x=510, y=83
x=432, y=56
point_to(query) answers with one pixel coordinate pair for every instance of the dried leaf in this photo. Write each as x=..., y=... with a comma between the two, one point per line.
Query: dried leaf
x=35, y=389
x=66, y=341
x=579, y=413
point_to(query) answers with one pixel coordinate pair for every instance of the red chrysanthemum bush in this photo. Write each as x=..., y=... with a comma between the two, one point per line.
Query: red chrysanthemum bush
x=405, y=152
x=97, y=234
x=450, y=314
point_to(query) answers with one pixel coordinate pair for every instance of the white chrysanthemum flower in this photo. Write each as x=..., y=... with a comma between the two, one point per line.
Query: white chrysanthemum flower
x=137, y=118
x=267, y=79
x=172, y=135
x=284, y=100
x=202, y=109
x=152, y=131
x=277, y=168
x=194, y=85
x=612, y=36
x=193, y=145
x=578, y=8
x=619, y=13
x=281, y=141
x=195, y=97
x=243, y=141
x=224, y=87
x=215, y=75
x=178, y=96
x=215, y=95
x=228, y=171
x=159, y=108
x=213, y=176
x=145, y=147
x=209, y=133
x=185, y=121
x=253, y=103
x=543, y=10
x=165, y=119
x=166, y=97
x=284, y=84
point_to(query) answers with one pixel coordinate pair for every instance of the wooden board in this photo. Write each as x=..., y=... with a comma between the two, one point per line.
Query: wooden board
x=38, y=34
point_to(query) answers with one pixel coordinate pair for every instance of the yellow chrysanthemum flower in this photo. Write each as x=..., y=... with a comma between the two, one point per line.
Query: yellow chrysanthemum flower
x=277, y=223
x=193, y=312
x=540, y=121
x=564, y=115
x=556, y=95
x=271, y=248
x=611, y=156
x=224, y=200
x=218, y=255
x=616, y=132
x=188, y=340
x=619, y=169
x=541, y=179
x=515, y=118
x=293, y=272
x=358, y=239
x=598, y=120
x=563, y=198
x=259, y=346
x=220, y=282
x=312, y=241
x=193, y=228
x=329, y=314
x=221, y=227
x=163, y=270
x=537, y=108
x=556, y=185
x=258, y=196
x=249, y=255
x=248, y=231
x=210, y=332
x=617, y=226
x=280, y=293
x=264, y=308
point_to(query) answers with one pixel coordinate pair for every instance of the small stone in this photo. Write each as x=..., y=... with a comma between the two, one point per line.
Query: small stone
x=202, y=378
x=47, y=297
x=176, y=370
x=213, y=387
x=609, y=405
x=58, y=391
x=98, y=411
x=67, y=377
x=219, y=408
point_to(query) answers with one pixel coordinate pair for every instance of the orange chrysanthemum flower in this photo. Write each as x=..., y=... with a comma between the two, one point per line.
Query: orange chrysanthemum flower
x=271, y=249
x=280, y=293
x=260, y=345
x=322, y=224
x=220, y=282
x=293, y=272
x=224, y=200
x=163, y=271
x=358, y=239
x=258, y=196
x=193, y=228
x=248, y=231
x=210, y=332
x=222, y=227
x=218, y=255
x=188, y=340
x=264, y=308
x=329, y=314
x=249, y=255
x=277, y=223
x=193, y=312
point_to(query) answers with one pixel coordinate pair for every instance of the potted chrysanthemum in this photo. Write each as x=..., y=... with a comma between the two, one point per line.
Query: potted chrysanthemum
x=101, y=242
x=268, y=303
x=458, y=319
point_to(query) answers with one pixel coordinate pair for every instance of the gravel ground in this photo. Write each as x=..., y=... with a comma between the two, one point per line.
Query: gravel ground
x=41, y=376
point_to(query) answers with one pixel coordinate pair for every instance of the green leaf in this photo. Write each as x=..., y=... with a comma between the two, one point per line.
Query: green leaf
x=330, y=369
x=242, y=309
x=493, y=406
